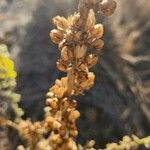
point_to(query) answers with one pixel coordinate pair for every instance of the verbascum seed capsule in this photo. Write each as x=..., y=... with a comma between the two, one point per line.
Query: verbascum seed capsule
x=91, y=60
x=61, y=66
x=97, y=31
x=61, y=22
x=90, y=21
x=80, y=51
x=66, y=54
x=107, y=7
x=56, y=36
x=97, y=44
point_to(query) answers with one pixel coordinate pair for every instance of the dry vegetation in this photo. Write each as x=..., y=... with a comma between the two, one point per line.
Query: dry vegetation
x=127, y=94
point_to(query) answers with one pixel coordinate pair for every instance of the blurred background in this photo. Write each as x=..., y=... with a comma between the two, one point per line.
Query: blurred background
x=119, y=102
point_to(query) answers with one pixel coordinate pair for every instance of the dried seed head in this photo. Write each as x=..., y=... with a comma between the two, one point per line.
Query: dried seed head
x=80, y=51
x=90, y=21
x=61, y=22
x=107, y=7
x=66, y=54
x=97, y=31
x=56, y=36
x=91, y=60
x=97, y=44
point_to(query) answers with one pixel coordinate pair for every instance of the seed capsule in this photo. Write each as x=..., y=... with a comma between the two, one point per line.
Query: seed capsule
x=66, y=54
x=80, y=51
x=61, y=22
x=56, y=36
x=61, y=65
x=91, y=60
x=107, y=7
x=97, y=44
x=97, y=31
x=90, y=21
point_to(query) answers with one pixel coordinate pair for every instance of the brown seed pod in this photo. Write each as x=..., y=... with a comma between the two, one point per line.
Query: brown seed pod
x=62, y=65
x=91, y=60
x=97, y=31
x=66, y=54
x=61, y=22
x=56, y=36
x=97, y=44
x=80, y=51
x=107, y=7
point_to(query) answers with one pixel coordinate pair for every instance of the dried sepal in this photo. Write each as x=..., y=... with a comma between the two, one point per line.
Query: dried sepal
x=97, y=44
x=61, y=23
x=97, y=31
x=91, y=60
x=56, y=36
x=90, y=21
x=66, y=54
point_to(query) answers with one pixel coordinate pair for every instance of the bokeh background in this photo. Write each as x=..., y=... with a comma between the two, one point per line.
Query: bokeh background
x=119, y=102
